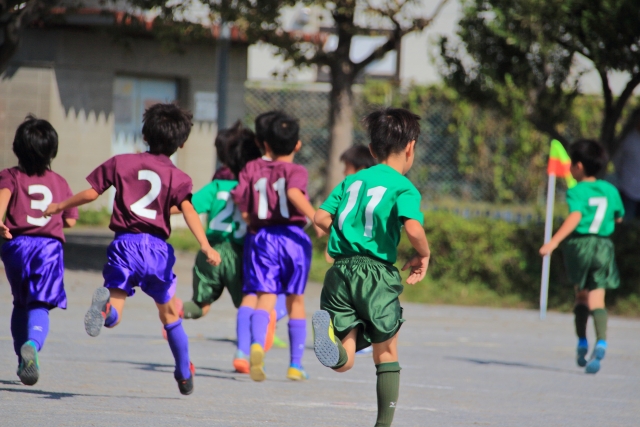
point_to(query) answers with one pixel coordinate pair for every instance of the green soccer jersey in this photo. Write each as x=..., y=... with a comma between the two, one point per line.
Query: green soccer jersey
x=225, y=220
x=600, y=205
x=369, y=209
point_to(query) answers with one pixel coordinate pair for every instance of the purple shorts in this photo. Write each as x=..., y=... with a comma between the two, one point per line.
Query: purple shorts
x=277, y=260
x=35, y=270
x=141, y=259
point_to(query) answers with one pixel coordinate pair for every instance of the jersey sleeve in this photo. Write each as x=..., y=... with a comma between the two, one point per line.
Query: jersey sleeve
x=203, y=199
x=575, y=202
x=333, y=201
x=298, y=178
x=182, y=188
x=241, y=194
x=104, y=176
x=7, y=180
x=409, y=205
x=71, y=213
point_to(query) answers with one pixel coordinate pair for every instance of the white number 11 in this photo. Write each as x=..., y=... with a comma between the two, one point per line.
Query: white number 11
x=376, y=194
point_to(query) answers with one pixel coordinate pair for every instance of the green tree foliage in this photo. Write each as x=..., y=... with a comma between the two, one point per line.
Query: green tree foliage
x=521, y=58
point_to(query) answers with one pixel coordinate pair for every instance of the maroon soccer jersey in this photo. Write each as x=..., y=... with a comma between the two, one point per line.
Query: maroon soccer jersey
x=262, y=191
x=147, y=186
x=30, y=196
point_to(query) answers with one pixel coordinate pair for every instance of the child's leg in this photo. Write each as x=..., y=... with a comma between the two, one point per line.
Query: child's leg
x=260, y=318
x=297, y=328
x=38, y=323
x=599, y=313
x=106, y=309
x=385, y=356
x=243, y=326
x=282, y=307
x=177, y=338
x=19, y=328
x=581, y=311
x=348, y=344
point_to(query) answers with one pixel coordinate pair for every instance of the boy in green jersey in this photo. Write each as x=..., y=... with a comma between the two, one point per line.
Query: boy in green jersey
x=364, y=216
x=595, y=206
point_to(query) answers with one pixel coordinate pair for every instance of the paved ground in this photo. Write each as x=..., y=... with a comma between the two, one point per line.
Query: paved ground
x=461, y=367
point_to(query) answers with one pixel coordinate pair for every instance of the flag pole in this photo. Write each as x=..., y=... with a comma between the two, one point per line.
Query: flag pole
x=546, y=260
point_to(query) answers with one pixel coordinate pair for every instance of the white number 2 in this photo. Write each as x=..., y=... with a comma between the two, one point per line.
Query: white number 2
x=280, y=186
x=376, y=194
x=601, y=210
x=140, y=207
x=40, y=205
x=218, y=222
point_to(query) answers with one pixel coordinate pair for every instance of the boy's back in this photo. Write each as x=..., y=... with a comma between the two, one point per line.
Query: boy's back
x=225, y=220
x=369, y=209
x=147, y=186
x=600, y=205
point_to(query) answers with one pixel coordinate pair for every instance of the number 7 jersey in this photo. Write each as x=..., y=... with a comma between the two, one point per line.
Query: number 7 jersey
x=147, y=186
x=369, y=209
x=600, y=205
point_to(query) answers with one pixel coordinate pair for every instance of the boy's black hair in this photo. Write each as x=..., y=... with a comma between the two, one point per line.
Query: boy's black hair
x=236, y=146
x=390, y=130
x=166, y=128
x=283, y=135
x=35, y=145
x=262, y=123
x=591, y=154
x=359, y=156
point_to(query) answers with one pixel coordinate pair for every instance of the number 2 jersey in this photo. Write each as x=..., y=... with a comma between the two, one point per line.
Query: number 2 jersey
x=147, y=186
x=30, y=196
x=369, y=209
x=262, y=192
x=225, y=223
x=600, y=205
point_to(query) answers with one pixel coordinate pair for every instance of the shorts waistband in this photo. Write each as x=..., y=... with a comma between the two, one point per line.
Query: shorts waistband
x=139, y=237
x=360, y=260
x=28, y=237
x=582, y=236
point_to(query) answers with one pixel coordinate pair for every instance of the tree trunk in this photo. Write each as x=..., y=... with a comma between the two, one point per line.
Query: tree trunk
x=340, y=121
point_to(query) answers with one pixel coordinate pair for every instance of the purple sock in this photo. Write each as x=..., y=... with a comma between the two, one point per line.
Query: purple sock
x=259, y=324
x=243, y=329
x=179, y=344
x=112, y=318
x=19, y=322
x=297, y=339
x=38, y=326
x=281, y=307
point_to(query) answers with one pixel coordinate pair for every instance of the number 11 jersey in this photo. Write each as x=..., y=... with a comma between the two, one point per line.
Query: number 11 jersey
x=369, y=209
x=147, y=186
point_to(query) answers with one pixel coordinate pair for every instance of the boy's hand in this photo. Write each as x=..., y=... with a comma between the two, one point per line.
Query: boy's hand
x=213, y=257
x=4, y=232
x=319, y=231
x=52, y=209
x=548, y=248
x=419, y=266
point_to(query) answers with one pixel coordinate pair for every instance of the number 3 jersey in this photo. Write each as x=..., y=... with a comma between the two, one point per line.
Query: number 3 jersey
x=369, y=209
x=147, y=186
x=262, y=192
x=600, y=205
x=30, y=196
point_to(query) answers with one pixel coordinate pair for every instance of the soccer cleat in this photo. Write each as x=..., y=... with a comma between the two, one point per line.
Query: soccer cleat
x=29, y=369
x=365, y=351
x=94, y=319
x=297, y=373
x=241, y=362
x=278, y=343
x=271, y=331
x=256, y=359
x=581, y=353
x=598, y=354
x=186, y=386
x=324, y=340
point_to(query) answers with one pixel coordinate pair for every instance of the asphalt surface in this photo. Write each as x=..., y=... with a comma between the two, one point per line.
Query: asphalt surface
x=461, y=367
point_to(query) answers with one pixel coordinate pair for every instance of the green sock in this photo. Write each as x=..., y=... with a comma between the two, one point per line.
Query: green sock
x=387, y=388
x=582, y=317
x=343, y=358
x=600, y=322
x=192, y=310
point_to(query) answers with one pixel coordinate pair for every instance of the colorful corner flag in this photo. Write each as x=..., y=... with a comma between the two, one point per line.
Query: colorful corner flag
x=559, y=163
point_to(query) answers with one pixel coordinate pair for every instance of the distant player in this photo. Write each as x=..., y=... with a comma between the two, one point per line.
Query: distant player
x=357, y=158
x=364, y=216
x=32, y=254
x=147, y=186
x=272, y=195
x=594, y=208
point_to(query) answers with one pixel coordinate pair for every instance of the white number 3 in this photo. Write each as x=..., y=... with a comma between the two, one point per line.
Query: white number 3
x=140, y=207
x=40, y=205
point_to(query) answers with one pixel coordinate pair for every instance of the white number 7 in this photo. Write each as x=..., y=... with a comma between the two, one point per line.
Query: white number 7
x=140, y=207
x=601, y=210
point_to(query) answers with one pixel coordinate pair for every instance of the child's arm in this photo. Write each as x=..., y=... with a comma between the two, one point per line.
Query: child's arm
x=420, y=262
x=5, y=196
x=323, y=220
x=565, y=229
x=69, y=222
x=174, y=210
x=82, y=198
x=193, y=221
x=298, y=199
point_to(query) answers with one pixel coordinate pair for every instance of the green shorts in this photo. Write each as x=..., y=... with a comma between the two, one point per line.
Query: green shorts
x=210, y=281
x=362, y=291
x=590, y=262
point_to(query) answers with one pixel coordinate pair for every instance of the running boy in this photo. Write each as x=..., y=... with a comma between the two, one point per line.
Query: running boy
x=147, y=186
x=594, y=208
x=272, y=195
x=364, y=216
x=32, y=254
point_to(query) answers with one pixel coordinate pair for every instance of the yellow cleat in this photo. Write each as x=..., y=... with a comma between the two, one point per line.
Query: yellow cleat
x=297, y=373
x=256, y=360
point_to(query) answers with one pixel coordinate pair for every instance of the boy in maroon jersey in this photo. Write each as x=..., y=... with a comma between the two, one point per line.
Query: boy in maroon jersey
x=271, y=193
x=32, y=254
x=147, y=186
